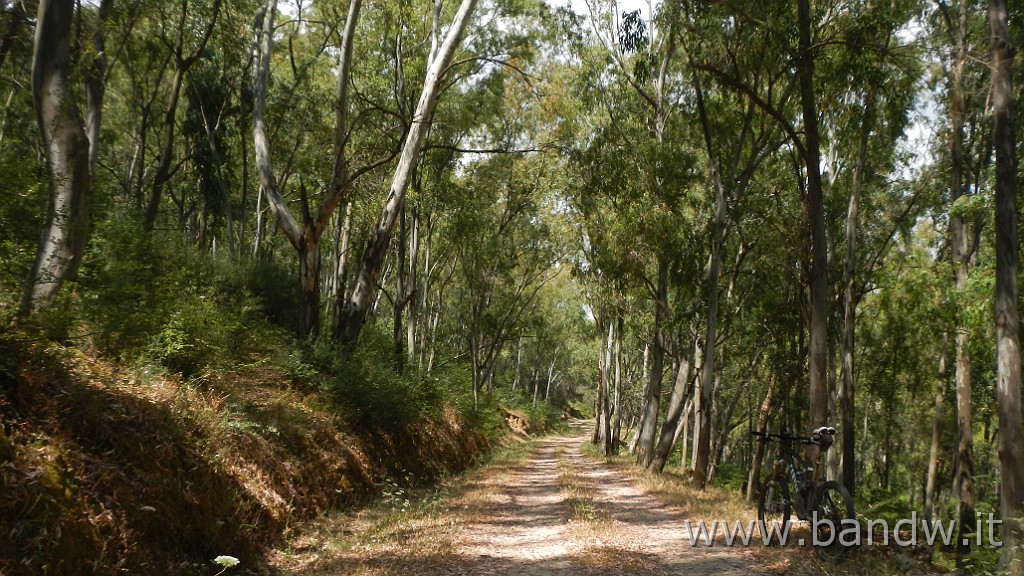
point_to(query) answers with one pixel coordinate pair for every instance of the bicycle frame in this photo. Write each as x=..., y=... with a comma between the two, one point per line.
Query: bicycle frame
x=794, y=486
x=796, y=468
x=801, y=475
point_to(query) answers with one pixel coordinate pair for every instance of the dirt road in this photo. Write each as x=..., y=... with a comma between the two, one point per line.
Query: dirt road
x=554, y=513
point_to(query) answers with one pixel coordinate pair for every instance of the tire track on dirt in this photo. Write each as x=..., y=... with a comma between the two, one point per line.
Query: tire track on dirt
x=553, y=513
x=600, y=523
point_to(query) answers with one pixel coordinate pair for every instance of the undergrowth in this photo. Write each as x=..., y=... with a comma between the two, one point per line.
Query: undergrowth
x=161, y=414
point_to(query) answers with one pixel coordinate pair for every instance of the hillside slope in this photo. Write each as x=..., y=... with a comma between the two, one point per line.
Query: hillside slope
x=109, y=469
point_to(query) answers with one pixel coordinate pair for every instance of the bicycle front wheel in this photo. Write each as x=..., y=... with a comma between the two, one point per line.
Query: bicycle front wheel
x=832, y=512
x=773, y=510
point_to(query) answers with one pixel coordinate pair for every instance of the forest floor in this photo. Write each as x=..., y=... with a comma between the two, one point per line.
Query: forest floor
x=549, y=510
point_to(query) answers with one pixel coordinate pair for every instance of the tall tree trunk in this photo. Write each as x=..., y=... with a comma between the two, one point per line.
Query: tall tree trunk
x=518, y=368
x=1007, y=316
x=411, y=281
x=703, y=453
x=434, y=321
x=652, y=398
x=67, y=158
x=685, y=430
x=96, y=84
x=617, y=395
x=846, y=392
x=309, y=272
x=933, y=453
x=163, y=167
x=244, y=145
x=960, y=240
x=428, y=269
x=723, y=429
x=601, y=401
x=634, y=440
x=399, y=303
x=697, y=400
x=552, y=376
x=474, y=356
x=814, y=203
x=354, y=315
x=606, y=389
x=847, y=344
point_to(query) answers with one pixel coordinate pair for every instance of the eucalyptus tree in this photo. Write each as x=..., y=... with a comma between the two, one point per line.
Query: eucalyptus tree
x=957, y=30
x=70, y=142
x=605, y=263
x=1007, y=315
x=506, y=252
x=494, y=112
x=305, y=237
x=624, y=231
x=865, y=127
x=185, y=49
x=353, y=316
x=784, y=96
x=736, y=138
x=640, y=53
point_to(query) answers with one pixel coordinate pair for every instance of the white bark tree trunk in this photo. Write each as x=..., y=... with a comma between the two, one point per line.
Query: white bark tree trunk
x=304, y=237
x=67, y=157
x=354, y=315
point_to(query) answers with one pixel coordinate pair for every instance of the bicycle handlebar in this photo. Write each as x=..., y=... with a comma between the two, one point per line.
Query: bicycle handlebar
x=815, y=438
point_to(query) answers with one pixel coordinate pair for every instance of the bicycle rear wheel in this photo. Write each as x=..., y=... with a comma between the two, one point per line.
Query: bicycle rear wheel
x=831, y=509
x=773, y=510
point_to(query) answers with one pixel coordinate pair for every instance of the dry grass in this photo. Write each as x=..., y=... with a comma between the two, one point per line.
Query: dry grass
x=108, y=468
x=578, y=496
x=406, y=531
x=615, y=560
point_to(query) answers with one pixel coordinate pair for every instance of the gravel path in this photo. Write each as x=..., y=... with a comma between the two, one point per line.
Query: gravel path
x=555, y=513
x=537, y=529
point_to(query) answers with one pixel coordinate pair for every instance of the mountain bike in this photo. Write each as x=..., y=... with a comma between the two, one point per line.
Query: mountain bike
x=824, y=504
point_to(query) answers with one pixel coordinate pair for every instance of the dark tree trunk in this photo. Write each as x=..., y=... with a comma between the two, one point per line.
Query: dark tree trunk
x=309, y=275
x=1007, y=315
x=814, y=204
x=652, y=397
x=754, y=481
x=163, y=168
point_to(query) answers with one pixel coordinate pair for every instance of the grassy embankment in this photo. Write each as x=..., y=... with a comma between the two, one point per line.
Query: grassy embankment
x=161, y=414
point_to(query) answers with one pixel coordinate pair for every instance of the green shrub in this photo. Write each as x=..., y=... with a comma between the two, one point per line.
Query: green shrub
x=275, y=288
x=365, y=385
x=128, y=297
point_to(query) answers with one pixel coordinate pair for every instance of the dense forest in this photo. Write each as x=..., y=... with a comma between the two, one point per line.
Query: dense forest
x=687, y=220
